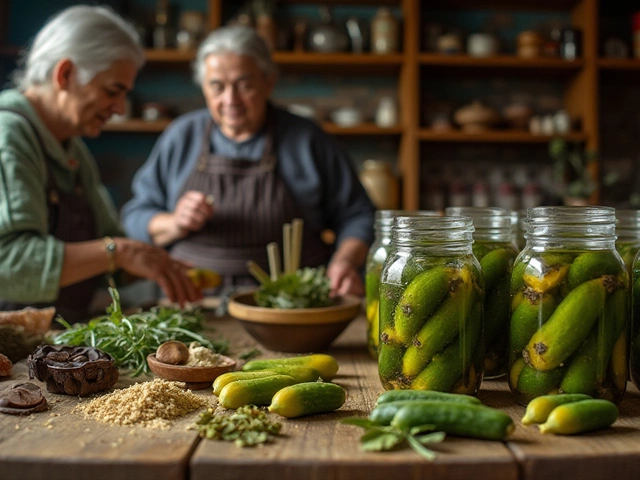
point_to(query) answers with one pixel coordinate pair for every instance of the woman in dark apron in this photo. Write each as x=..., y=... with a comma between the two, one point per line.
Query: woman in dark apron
x=221, y=182
x=58, y=233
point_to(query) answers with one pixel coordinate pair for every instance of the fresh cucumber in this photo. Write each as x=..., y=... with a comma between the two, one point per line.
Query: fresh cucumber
x=255, y=391
x=459, y=419
x=580, y=417
x=397, y=395
x=226, y=378
x=539, y=408
x=307, y=398
x=384, y=412
x=326, y=365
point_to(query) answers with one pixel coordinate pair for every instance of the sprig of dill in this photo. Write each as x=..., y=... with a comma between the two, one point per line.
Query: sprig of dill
x=129, y=339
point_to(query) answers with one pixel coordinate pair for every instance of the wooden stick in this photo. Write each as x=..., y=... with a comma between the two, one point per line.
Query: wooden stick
x=296, y=248
x=286, y=247
x=258, y=273
x=274, y=260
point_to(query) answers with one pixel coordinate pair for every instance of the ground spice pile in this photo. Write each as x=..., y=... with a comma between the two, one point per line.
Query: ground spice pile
x=148, y=404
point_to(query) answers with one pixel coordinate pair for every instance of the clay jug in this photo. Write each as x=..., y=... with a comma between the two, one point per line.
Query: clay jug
x=381, y=184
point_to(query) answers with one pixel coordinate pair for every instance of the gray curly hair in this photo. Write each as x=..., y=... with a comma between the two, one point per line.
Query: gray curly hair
x=239, y=40
x=92, y=37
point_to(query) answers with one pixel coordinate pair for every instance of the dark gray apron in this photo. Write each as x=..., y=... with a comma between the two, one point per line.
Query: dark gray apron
x=71, y=219
x=252, y=203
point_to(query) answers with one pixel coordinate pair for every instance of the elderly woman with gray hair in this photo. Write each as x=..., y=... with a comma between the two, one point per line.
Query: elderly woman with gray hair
x=222, y=181
x=58, y=228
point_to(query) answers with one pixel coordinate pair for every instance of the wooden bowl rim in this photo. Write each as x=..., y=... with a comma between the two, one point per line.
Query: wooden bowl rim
x=193, y=374
x=242, y=306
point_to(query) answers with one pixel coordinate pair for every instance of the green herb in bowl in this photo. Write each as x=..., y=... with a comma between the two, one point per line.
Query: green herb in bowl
x=305, y=288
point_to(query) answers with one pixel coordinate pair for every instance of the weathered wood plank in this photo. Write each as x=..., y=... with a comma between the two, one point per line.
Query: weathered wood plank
x=320, y=447
x=61, y=445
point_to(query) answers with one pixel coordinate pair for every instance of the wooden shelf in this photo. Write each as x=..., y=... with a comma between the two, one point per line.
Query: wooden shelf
x=493, y=136
x=532, y=5
x=137, y=125
x=169, y=56
x=499, y=62
x=362, y=129
x=326, y=59
x=619, y=64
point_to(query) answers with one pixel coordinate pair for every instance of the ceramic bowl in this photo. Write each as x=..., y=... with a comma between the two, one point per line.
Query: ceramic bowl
x=196, y=378
x=298, y=330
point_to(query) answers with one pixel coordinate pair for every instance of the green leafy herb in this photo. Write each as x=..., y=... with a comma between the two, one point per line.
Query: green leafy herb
x=249, y=354
x=306, y=288
x=248, y=426
x=130, y=339
x=378, y=438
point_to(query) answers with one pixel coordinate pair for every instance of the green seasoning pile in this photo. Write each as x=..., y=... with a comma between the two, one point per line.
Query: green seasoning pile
x=130, y=339
x=248, y=426
x=306, y=288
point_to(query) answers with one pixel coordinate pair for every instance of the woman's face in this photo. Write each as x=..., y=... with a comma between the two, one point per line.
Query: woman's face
x=236, y=92
x=89, y=106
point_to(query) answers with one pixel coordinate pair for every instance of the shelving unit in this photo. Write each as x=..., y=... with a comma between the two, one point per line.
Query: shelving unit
x=579, y=79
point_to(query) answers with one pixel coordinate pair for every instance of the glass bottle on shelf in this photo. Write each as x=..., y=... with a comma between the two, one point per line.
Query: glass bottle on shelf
x=431, y=307
x=384, y=32
x=161, y=30
x=570, y=306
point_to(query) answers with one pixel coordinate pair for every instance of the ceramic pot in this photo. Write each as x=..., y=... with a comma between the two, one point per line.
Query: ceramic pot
x=476, y=117
x=381, y=184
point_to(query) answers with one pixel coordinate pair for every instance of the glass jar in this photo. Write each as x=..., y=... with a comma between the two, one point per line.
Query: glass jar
x=628, y=232
x=570, y=306
x=494, y=249
x=378, y=253
x=431, y=307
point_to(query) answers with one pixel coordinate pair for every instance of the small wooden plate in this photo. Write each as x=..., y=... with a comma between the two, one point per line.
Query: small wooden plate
x=196, y=378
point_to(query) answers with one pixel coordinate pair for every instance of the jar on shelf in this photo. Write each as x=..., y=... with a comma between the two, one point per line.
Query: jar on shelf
x=570, y=306
x=378, y=253
x=384, y=32
x=381, y=184
x=493, y=247
x=628, y=232
x=431, y=307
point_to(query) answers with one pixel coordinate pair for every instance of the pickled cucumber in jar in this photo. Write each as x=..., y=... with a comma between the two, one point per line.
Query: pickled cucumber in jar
x=431, y=308
x=570, y=307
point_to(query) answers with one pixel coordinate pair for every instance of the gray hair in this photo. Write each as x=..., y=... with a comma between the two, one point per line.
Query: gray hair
x=239, y=40
x=91, y=37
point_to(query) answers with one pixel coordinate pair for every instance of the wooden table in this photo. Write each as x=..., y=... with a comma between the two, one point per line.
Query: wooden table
x=59, y=444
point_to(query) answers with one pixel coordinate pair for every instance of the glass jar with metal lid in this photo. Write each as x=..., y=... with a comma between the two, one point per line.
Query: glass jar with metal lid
x=493, y=247
x=431, y=307
x=570, y=306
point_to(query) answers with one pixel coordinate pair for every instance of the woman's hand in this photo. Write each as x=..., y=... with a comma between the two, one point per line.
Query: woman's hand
x=193, y=210
x=344, y=278
x=154, y=263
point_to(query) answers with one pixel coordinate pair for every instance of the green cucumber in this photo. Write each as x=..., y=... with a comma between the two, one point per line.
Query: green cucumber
x=326, y=365
x=307, y=398
x=440, y=329
x=532, y=382
x=420, y=299
x=476, y=421
x=449, y=365
x=533, y=311
x=226, y=378
x=590, y=265
x=398, y=395
x=539, y=408
x=580, y=417
x=495, y=265
x=568, y=326
x=255, y=391
x=581, y=374
x=384, y=413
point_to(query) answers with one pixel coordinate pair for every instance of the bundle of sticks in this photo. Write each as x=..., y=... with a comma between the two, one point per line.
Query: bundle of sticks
x=291, y=253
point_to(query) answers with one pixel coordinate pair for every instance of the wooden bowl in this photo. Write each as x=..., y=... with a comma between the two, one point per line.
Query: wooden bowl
x=195, y=378
x=297, y=330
